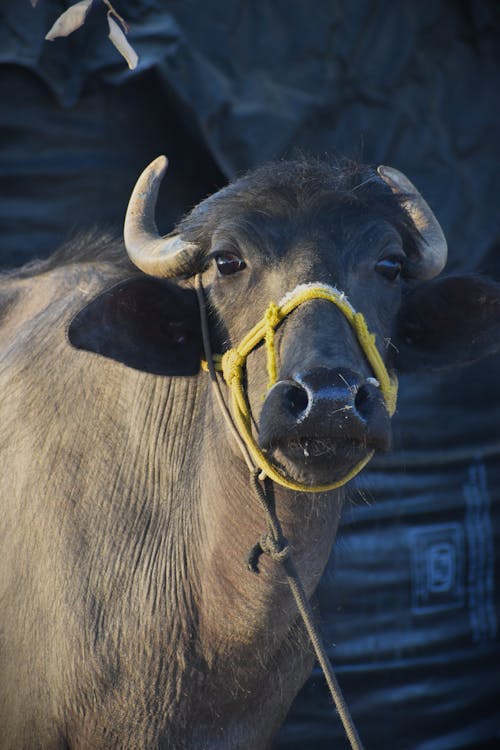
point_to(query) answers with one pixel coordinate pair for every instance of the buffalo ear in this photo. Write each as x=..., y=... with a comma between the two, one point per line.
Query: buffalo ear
x=448, y=321
x=144, y=323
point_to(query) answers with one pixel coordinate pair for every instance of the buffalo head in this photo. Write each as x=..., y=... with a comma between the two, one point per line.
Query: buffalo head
x=365, y=233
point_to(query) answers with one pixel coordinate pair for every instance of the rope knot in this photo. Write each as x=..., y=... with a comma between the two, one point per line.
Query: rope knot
x=272, y=316
x=277, y=549
x=232, y=366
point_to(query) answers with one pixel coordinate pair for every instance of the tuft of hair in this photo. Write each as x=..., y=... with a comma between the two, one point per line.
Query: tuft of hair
x=93, y=246
x=295, y=188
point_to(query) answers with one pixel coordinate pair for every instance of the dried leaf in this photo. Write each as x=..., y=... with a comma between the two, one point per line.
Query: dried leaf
x=70, y=20
x=118, y=38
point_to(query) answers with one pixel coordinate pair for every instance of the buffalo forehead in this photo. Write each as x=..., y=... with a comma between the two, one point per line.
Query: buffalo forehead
x=284, y=197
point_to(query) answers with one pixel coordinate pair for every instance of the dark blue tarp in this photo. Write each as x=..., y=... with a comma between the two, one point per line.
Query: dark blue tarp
x=410, y=600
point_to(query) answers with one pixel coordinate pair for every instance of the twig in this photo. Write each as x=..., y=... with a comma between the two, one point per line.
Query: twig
x=116, y=15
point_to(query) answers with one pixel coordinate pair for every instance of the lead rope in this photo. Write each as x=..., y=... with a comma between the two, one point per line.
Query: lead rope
x=273, y=542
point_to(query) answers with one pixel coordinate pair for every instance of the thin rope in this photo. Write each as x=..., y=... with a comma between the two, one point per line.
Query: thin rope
x=307, y=616
x=213, y=374
x=275, y=545
x=273, y=542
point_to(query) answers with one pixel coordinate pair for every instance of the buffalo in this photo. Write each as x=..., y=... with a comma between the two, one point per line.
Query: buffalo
x=129, y=618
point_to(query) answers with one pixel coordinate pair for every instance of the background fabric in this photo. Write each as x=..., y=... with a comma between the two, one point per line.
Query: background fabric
x=410, y=600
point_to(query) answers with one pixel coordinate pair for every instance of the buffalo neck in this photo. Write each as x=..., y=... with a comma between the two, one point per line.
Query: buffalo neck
x=238, y=606
x=189, y=519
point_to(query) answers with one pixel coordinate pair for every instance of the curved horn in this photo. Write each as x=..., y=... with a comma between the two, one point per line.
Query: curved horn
x=432, y=247
x=165, y=257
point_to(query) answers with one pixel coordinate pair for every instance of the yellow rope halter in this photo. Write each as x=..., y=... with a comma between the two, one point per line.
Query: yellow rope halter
x=233, y=362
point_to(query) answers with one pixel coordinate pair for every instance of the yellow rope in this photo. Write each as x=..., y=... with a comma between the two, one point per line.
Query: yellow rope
x=272, y=319
x=233, y=364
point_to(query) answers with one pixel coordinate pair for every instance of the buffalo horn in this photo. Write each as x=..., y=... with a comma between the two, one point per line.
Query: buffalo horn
x=432, y=245
x=165, y=257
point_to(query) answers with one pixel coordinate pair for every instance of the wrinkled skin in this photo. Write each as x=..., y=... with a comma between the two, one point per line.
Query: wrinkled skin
x=128, y=616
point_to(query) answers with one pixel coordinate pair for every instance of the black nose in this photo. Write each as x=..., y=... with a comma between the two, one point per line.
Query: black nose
x=338, y=404
x=327, y=391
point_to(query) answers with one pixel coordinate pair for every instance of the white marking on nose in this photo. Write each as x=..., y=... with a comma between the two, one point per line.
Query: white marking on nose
x=311, y=285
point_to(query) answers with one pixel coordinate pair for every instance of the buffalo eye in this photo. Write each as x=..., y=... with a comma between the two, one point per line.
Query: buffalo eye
x=228, y=263
x=390, y=267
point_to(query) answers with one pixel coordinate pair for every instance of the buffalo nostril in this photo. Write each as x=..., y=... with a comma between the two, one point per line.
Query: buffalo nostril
x=296, y=400
x=361, y=400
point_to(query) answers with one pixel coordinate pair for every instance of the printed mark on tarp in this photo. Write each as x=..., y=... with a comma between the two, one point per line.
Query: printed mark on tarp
x=480, y=575
x=438, y=568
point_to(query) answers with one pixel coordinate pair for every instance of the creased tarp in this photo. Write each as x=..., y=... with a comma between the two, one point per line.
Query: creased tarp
x=413, y=84
x=410, y=614
x=70, y=169
x=67, y=64
x=410, y=598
